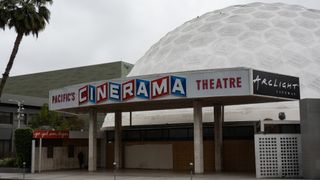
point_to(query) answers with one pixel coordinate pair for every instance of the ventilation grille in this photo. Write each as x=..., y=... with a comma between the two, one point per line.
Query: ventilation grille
x=278, y=155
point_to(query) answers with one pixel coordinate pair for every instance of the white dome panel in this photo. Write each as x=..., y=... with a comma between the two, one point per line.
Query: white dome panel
x=277, y=37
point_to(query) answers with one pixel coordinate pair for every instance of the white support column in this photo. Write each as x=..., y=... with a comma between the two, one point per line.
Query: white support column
x=118, y=139
x=92, y=157
x=40, y=154
x=198, y=138
x=33, y=155
x=218, y=136
x=262, y=126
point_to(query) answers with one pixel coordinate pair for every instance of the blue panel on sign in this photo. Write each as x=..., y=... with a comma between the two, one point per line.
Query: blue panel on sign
x=178, y=86
x=92, y=94
x=115, y=91
x=143, y=88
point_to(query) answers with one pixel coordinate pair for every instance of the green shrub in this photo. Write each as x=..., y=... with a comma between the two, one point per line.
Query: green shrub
x=8, y=162
x=23, y=142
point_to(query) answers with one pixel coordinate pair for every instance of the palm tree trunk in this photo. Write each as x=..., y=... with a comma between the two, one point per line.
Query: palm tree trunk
x=14, y=52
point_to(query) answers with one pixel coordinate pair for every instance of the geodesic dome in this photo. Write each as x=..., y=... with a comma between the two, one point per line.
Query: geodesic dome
x=279, y=38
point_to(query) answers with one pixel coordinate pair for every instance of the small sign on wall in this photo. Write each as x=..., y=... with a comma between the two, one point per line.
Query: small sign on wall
x=276, y=85
x=50, y=134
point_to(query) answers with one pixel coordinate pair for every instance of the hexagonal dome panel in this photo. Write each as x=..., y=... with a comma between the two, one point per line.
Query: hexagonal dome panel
x=276, y=37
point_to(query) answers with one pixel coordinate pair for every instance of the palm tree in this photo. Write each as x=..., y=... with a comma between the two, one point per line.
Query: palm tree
x=26, y=17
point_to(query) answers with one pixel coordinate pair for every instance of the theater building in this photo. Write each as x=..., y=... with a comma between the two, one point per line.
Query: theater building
x=221, y=91
x=277, y=39
x=170, y=146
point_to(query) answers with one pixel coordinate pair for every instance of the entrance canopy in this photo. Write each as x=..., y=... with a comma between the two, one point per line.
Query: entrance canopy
x=176, y=90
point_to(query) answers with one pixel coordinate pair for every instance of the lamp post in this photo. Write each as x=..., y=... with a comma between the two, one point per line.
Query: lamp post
x=114, y=170
x=24, y=169
x=191, y=169
x=19, y=110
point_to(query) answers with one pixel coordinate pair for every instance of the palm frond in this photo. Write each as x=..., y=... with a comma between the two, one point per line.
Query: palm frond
x=44, y=13
x=25, y=16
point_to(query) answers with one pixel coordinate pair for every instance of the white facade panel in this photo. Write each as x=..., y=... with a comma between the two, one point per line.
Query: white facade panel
x=220, y=83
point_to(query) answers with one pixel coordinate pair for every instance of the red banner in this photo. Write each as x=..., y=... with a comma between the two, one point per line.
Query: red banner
x=50, y=134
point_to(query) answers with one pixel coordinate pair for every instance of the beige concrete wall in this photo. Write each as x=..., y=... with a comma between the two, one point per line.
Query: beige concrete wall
x=60, y=158
x=149, y=156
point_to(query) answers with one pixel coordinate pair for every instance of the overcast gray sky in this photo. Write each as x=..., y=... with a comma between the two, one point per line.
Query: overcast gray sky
x=84, y=32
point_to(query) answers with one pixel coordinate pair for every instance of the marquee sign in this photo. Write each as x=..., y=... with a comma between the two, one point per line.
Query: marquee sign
x=50, y=134
x=192, y=84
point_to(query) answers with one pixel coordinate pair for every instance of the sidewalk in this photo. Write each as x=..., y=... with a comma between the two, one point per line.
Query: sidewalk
x=125, y=175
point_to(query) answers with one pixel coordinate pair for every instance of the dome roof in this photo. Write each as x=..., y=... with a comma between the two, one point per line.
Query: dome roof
x=277, y=37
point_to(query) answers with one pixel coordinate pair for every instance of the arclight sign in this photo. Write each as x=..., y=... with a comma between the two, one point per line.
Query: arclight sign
x=191, y=84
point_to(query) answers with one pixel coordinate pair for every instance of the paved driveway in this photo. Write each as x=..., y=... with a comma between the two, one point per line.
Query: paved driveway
x=126, y=175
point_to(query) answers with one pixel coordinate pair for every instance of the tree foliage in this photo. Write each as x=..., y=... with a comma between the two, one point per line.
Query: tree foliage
x=23, y=142
x=47, y=119
x=25, y=17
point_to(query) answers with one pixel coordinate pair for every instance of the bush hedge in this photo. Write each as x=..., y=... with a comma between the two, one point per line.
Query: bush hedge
x=23, y=142
x=8, y=162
